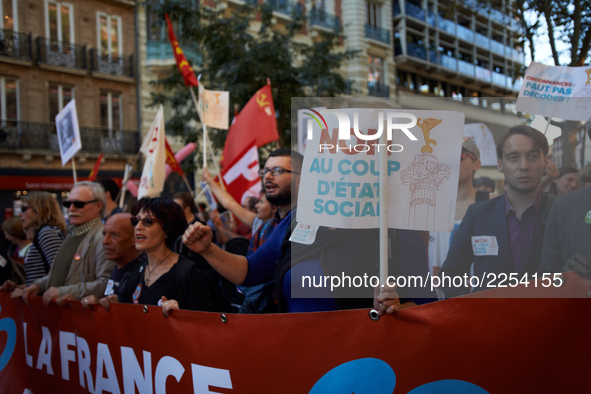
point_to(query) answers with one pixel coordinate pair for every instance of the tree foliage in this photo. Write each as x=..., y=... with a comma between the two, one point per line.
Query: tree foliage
x=565, y=23
x=235, y=58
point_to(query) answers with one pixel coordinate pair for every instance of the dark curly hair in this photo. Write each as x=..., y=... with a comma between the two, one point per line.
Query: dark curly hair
x=169, y=213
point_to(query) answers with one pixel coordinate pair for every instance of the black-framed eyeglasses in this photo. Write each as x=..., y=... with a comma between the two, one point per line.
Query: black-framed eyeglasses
x=275, y=171
x=77, y=204
x=24, y=208
x=146, y=222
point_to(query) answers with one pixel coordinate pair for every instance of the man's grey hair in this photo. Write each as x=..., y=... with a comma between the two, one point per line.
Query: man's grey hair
x=98, y=193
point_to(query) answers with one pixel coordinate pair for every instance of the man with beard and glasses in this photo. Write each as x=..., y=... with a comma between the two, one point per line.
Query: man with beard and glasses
x=272, y=261
x=280, y=176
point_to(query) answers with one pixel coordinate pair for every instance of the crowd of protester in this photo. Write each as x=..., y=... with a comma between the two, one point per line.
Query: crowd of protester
x=239, y=257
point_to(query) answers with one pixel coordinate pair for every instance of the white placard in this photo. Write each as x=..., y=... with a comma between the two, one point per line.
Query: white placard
x=339, y=184
x=485, y=142
x=213, y=108
x=68, y=132
x=556, y=91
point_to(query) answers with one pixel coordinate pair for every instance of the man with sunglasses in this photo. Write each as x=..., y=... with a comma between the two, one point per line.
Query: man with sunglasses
x=80, y=267
x=281, y=177
x=503, y=236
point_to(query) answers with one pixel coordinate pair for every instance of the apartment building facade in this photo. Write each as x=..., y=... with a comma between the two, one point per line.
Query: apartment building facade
x=52, y=52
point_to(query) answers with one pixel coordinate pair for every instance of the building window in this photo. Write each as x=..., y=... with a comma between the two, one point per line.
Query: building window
x=59, y=21
x=9, y=19
x=110, y=107
x=375, y=71
x=374, y=14
x=8, y=99
x=109, y=33
x=59, y=97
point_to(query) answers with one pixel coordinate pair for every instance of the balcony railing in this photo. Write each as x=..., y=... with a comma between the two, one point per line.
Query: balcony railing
x=415, y=11
x=378, y=90
x=447, y=26
x=465, y=34
x=449, y=62
x=483, y=73
x=465, y=68
x=324, y=19
x=286, y=7
x=15, y=45
x=377, y=33
x=482, y=41
x=161, y=50
x=497, y=47
x=43, y=136
x=501, y=79
x=108, y=63
x=60, y=53
x=416, y=50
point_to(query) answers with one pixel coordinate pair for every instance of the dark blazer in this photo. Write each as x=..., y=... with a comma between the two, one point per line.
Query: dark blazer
x=567, y=232
x=487, y=218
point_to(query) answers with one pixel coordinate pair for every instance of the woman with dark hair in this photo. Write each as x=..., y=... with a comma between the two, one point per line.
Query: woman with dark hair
x=168, y=279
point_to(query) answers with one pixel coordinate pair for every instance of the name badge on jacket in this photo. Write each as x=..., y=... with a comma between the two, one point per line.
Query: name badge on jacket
x=485, y=245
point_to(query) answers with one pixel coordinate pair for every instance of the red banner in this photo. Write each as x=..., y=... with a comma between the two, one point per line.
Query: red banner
x=459, y=345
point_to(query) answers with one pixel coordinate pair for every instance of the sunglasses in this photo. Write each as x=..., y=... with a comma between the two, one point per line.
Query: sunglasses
x=464, y=154
x=275, y=171
x=24, y=208
x=146, y=222
x=77, y=204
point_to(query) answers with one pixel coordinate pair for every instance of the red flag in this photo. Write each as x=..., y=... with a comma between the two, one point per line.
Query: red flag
x=241, y=175
x=95, y=169
x=171, y=160
x=254, y=124
x=181, y=60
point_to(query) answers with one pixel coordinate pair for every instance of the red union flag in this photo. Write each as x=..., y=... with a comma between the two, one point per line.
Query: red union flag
x=95, y=169
x=241, y=175
x=254, y=124
x=171, y=159
x=181, y=60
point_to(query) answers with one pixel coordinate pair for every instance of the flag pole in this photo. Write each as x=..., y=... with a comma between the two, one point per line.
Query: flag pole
x=74, y=169
x=383, y=191
x=204, y=127
x=547, y=124
x=126, y=174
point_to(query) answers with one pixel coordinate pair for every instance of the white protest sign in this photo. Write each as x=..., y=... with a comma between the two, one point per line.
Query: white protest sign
x=340, y=178
x=68, y=133
x=213, y=108
x=485, y=142
x=555, y=91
